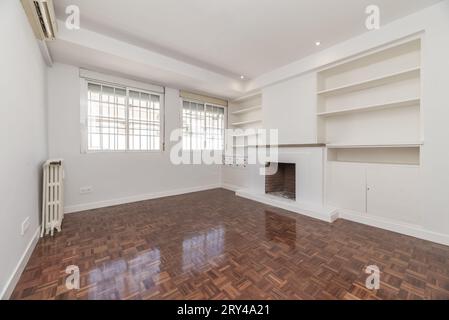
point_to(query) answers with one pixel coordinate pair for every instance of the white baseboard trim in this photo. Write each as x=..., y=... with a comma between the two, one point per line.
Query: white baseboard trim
x=395, y=226
x=114, y=202
x=14, y=278
x=314, y=211
x=231, y=187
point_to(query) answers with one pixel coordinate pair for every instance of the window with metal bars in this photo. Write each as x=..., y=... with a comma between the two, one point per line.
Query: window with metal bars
x=203, y=126
x=121, y=119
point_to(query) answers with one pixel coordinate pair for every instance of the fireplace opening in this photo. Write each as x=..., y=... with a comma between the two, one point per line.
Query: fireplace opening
x=283, y=182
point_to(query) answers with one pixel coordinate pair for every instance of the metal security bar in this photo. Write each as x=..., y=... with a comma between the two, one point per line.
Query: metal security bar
x=144, y=121
x=203, y=126
x=106, y=117
x=121, y=119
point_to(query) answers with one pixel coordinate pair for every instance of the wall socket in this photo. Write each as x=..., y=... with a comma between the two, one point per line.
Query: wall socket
x=86, y=189
x=25, y=226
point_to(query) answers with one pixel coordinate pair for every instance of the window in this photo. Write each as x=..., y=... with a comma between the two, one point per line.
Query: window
x=106, y=117
x=120, y=119
x=214, y=127
x=203, y=126
x=144, y=125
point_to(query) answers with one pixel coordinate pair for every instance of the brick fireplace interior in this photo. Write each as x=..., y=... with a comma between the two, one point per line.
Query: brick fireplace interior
x=283, y=182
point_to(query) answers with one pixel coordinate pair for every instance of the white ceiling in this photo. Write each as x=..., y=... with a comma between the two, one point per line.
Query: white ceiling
x=234, y=37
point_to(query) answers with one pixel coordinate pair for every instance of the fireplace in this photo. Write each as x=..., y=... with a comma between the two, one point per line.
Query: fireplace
x=283, y=182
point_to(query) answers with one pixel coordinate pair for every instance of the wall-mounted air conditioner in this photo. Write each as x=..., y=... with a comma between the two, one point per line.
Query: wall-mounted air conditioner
x=41, y=15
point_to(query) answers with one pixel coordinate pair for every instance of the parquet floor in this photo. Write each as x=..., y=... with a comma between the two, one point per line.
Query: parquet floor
x=214, y=245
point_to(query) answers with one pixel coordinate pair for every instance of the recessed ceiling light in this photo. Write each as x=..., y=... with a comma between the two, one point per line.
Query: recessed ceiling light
x=242, y=77
x=318, y=43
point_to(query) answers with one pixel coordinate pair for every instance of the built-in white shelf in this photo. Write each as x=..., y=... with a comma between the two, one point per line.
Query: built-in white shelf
x=375, y=97
x=246, y=110
x=380, y=145
x=245, y=113
x=374, y=82
x=246, y=122
x=399, y=154
x=244, y=135
x=246, y=97
x=395, y=104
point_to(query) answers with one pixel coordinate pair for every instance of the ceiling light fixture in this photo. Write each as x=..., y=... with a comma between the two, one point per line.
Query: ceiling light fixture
x=318, y=43
x=242, y=77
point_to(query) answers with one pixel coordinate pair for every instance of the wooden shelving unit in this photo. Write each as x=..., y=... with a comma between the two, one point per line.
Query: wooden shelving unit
x=367, y=106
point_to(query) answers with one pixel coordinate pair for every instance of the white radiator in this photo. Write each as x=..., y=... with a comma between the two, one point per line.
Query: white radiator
x=52, y=196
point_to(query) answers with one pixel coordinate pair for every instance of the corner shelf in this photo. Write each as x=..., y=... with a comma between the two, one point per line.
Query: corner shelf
x=246, y=122
x=246, y=97
x=396, y=104
x=374, y=82
x=246, y=110
x=245, y=117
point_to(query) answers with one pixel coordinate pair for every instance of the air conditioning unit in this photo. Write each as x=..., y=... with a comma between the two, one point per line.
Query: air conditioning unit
x=41, y=15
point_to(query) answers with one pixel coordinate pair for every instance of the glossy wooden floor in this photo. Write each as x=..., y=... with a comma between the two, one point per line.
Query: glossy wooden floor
x=214, y=245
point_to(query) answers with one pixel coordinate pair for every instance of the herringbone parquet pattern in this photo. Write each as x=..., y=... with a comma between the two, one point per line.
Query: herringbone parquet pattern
x=214, y=245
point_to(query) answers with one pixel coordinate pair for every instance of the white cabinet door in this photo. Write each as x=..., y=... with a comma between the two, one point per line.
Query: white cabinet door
x=346, y=186
x=393, y=192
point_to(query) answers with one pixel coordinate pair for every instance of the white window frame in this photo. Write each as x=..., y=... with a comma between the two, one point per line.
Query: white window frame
x=225, y=121
x=84, y=81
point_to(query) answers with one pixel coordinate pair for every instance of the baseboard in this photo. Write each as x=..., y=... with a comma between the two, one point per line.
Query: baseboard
x=394, y=226
x=12, y=281
x=114, y=202
x=231, y=187
x=314, y=211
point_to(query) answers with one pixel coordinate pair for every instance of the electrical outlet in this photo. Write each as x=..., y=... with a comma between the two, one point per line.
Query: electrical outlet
x=86, y=189
x=25, y=225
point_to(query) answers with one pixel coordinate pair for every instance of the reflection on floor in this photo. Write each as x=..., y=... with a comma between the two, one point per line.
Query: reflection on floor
x=280, y=228
x=283, y=194
x=214, y=245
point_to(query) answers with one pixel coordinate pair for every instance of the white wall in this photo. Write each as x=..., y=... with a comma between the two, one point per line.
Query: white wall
x=23, y=138
x=115, y=177
x=234, y=178
x=290, y=107
x=435, y=110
